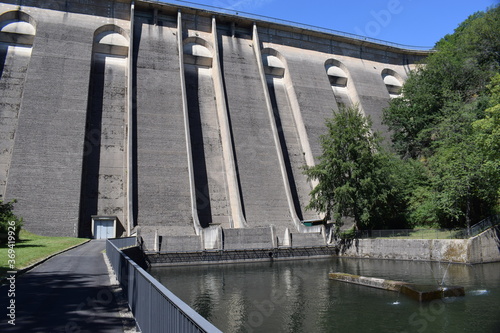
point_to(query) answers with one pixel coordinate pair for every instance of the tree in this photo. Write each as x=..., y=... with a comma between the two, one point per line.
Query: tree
x=448, y=120
x=352, y=173
x=457, y=72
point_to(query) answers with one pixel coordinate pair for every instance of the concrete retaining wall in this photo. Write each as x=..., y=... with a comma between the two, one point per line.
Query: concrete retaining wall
x=253, y=238
x=485, y=247
x=482, y=248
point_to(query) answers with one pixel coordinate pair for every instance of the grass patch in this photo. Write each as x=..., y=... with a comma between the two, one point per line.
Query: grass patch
x=31, y=248
x=418, y=234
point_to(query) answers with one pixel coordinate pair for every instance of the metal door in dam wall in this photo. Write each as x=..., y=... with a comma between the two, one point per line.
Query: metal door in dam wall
x=104, y=227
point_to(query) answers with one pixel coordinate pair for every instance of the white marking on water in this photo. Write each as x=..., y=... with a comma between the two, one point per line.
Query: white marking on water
x=478, y=292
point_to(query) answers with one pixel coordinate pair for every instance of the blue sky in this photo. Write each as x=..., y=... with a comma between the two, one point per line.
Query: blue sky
x=410, y=22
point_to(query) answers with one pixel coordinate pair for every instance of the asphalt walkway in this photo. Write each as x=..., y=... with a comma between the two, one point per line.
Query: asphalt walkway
x=70, y=292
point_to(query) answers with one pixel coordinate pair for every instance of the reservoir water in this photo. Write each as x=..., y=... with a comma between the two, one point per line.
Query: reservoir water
x=297, y=296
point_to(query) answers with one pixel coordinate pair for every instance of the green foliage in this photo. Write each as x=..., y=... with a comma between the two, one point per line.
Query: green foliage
x=457, y=73
x=354, y=176
x=448, y=121
x=487, y=129
x=7, y=216
x=348, y=234
x=446, y=130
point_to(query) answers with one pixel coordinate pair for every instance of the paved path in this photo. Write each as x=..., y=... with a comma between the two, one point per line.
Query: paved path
x=70, y=292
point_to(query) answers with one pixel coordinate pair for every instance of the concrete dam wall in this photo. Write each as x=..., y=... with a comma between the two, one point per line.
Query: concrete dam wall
x=173, y=120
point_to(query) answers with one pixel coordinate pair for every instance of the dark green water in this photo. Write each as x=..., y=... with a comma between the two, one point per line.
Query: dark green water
x=297, y=296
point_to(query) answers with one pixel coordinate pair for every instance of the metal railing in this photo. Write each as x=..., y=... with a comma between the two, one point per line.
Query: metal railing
x=122, y=243
x=156, y=309
x=229, y=11
x=488, y=222
x=473, y=231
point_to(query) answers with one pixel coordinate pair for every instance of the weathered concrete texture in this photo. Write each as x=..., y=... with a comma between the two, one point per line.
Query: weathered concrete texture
x=420, y=293
x=104, y=154
x=310, y=239
x=261, y=183
x=371, y=90
x=378, y=283
x=448, y=250
x=292, y=152
x=119, y=9
x=14, y=61
x=45, y=172
x=211, y=188
x=180, y=243
x=251, y=238
x=314, y=93
x=163, y=196
x=485, y=247
x=482, y=248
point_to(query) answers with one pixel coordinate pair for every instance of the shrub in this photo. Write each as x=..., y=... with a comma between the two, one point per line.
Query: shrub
x=7, y=216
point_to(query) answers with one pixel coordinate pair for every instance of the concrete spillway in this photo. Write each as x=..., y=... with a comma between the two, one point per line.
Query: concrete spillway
x=209, y=173
x=163, y=195
x=261, y=183
x=292, y=152
x=314, y=94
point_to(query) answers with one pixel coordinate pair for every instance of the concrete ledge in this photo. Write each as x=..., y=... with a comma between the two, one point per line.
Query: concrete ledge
x=421, y=293
x=368, y=281
x=237, y=256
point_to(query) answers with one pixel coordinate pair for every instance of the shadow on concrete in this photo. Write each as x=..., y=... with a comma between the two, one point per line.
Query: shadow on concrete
x=135, y=184
x=3, y=57
x=285, y=150
x=345, y=244
x=497, y=237
x=92, y=150
x=203, y=199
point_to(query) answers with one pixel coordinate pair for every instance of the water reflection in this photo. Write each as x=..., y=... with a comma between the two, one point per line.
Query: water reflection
x=298, y=297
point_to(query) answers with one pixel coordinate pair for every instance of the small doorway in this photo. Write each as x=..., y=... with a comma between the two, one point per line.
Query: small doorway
x=103, y=227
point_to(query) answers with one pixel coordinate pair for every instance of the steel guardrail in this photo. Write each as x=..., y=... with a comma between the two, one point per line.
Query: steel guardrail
x=155, y=308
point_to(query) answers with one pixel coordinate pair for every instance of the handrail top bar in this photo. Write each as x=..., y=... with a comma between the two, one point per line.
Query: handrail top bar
x=190, y=314
x=290, y=25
